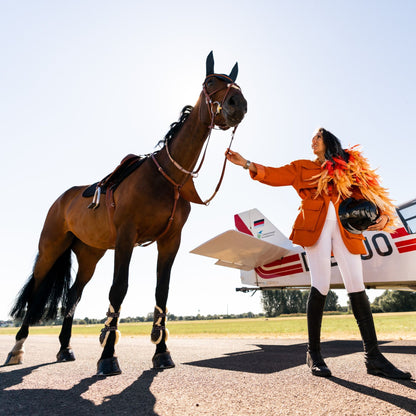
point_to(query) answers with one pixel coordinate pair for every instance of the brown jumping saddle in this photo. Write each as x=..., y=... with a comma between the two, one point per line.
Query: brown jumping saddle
x=110, y=183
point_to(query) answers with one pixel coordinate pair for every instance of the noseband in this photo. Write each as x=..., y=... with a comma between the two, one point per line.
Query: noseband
x=208, y=96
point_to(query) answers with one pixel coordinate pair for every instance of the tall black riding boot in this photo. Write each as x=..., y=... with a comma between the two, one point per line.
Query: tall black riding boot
x=315, y=310
x=375, y=361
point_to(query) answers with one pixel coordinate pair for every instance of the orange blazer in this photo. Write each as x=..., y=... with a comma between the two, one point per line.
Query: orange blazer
x=313, y=209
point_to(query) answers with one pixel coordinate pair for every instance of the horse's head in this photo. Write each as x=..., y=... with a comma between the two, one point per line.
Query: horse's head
x=223, y=96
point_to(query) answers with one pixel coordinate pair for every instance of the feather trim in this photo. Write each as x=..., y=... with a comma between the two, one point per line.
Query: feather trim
x=357, y=172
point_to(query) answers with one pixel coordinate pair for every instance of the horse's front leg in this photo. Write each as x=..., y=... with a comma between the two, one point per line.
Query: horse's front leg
x=167, y=252
x=108, y=363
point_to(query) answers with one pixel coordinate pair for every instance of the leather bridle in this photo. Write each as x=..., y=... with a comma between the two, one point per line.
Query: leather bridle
x=212, y=113
x=194, y=174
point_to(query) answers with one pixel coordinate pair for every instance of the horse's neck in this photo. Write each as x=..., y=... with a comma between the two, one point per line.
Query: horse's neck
x=186, y=146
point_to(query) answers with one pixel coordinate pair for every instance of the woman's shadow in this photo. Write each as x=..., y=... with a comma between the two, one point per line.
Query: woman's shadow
x=134, y=400
x=402, y=402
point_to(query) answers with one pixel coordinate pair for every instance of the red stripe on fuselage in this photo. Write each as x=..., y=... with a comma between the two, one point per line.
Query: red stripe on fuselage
x=282, y=271
x=284, y=260
x=400, y=232
x=405, y=246
x=405, y=242
x=275, y=269
x=406, y=249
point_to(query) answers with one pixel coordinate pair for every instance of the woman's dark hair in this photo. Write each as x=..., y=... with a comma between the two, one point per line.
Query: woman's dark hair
x=333, y=147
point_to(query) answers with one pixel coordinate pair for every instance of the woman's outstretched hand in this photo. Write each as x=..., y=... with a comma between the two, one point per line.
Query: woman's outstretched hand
x=235, y=158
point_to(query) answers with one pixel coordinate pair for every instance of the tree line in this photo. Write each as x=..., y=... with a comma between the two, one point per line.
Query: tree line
x=275, y=303
x=129, y=319
x=287, y=301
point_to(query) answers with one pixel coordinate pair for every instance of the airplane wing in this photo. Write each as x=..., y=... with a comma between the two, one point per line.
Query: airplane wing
x=268, y=260
x=240, y=251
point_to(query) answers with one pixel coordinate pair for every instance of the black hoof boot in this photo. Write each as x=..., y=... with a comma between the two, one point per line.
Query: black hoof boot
x=65, y=355
x=317, y=364
x=162, y=360
x=381, y=366
x=108, y=367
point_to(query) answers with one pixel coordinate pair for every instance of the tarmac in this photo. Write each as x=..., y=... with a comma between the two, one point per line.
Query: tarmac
x=213, y=376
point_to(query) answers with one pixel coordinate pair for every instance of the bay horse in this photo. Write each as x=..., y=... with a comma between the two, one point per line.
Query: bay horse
x=152, y=204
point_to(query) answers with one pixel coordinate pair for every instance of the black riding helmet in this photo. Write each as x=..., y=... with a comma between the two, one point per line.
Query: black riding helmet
x=356, y=215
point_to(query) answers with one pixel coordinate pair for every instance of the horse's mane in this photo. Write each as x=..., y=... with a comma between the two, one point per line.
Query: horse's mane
x=176, y=126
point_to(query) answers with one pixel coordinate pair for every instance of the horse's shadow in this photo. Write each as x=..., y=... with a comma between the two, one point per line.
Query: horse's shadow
x=136, y=399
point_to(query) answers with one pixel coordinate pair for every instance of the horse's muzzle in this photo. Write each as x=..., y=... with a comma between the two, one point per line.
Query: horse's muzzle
x=234, y=110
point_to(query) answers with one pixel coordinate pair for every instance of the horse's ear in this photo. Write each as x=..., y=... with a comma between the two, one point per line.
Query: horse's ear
x=210, y=64
x=234, y=72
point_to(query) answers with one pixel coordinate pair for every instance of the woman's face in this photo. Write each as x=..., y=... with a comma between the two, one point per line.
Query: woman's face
x=318, y=145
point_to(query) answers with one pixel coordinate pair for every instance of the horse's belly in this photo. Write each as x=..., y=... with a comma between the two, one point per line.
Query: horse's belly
x=91, y=226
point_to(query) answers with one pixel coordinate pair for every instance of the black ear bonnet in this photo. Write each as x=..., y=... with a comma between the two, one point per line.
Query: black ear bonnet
x=210, y=70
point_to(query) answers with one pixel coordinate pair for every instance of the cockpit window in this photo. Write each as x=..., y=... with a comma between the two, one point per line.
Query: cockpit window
x=407, y=213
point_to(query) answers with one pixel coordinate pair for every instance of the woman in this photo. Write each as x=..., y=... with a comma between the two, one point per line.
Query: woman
x=323, y=184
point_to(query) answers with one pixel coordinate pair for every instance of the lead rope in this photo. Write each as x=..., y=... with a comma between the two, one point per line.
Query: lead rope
x=206, y=202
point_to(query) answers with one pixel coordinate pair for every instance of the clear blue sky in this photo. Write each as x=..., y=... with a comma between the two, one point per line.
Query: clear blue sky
x=83, y=83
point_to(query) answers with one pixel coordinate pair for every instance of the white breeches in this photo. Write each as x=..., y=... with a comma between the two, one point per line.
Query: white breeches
x=319, y=258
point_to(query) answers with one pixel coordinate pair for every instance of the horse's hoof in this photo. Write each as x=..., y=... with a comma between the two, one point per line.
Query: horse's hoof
x=14, y=358
x=108, y=367
x=162, y=360
x=65, y=355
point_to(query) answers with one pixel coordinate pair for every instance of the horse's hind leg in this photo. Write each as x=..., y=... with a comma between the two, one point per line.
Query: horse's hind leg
x=43, y=291
x=48, y=284
x=168, y=249
x=15, y=356
x=88, y=258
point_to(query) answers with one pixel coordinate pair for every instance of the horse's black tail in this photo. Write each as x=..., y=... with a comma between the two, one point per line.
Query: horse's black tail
x=43, y=305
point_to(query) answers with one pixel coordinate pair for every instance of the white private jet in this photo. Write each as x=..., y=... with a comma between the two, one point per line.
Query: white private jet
x=268, y=260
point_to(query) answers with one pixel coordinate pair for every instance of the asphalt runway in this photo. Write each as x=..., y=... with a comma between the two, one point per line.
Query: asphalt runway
x=213, y=376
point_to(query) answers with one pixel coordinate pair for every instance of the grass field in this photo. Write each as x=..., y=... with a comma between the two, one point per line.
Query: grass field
x=390, y=326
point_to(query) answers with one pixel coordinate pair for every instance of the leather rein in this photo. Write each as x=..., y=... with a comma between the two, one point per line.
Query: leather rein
x=192, y=194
